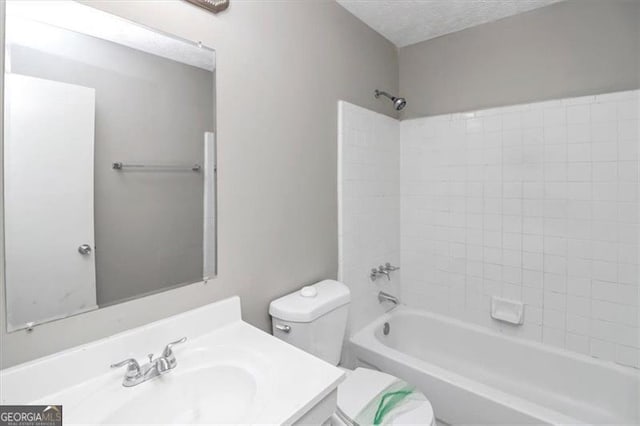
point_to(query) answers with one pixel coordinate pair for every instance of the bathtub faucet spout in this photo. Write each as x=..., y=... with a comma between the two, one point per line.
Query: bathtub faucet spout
x=386, y=297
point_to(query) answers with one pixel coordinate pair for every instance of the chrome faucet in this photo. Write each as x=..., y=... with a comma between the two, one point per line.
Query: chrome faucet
x=386, y=297
x=377, y=272
x=383, y=270
x=137, y=374
x=168, y=355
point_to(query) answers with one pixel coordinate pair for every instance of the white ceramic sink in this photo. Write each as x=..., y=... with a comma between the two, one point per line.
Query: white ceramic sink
x=223, y=393
x=220, y=384
x=232, y=374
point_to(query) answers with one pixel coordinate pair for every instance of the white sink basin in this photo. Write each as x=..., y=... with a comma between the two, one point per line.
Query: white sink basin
x=219, y=384
x=223, y=394
x=232, y=374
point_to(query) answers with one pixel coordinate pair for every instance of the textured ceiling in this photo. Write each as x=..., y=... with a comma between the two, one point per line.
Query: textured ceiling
x=405, y=22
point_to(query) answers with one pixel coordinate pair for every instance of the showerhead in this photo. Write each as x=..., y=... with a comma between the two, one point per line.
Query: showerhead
x=398, y=103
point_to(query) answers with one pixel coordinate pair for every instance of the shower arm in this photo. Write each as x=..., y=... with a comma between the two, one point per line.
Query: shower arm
x=377, y=94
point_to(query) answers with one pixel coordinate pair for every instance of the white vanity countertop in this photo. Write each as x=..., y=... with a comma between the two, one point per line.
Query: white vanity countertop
x=228, y=372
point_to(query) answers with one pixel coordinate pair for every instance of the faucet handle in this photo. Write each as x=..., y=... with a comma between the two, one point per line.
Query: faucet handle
x=133, y=368
x=167, y=352
x=390, y=267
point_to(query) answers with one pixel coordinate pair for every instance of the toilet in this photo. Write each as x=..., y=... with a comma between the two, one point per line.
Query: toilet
x=314, y=319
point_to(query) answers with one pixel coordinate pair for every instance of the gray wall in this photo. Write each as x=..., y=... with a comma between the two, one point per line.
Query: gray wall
x=281, y=67
x=572, y=48
x=148, y=225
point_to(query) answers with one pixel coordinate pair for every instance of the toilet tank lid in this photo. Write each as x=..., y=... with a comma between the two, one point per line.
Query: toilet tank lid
x=297, y=307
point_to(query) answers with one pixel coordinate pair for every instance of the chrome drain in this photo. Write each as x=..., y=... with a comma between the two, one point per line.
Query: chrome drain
x=386, y=328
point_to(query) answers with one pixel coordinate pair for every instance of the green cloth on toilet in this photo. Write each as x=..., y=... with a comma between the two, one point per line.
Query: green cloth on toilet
x=397, y=398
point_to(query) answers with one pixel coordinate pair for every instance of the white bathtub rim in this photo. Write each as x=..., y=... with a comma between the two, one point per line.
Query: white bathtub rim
x=405, y=310
x=484, y=391
x=366, y=340
x=498, y=397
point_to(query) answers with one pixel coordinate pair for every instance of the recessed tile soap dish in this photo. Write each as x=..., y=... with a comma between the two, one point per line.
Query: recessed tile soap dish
x=509, y=311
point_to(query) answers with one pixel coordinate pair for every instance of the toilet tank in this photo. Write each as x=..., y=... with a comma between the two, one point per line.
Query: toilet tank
x=313, y=318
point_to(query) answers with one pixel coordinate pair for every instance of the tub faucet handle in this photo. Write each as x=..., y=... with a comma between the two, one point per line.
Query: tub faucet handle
x=384, y=271
x=389, y=267
x=379, y=271
x=374, y=274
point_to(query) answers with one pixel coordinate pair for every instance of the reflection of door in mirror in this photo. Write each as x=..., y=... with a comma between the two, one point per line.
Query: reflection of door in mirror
x=48, y=199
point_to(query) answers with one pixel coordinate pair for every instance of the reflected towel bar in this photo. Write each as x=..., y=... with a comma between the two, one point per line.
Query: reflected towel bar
x=172, y=167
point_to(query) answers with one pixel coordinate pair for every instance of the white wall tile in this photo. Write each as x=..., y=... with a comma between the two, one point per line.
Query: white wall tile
x=603, y=349
x=578, y=114
x=578, y=152
x=369, y=205
x=627, y=355
x=553, y=336
x=542, y=204
x=577, y=343
x=580, y=307
x=579, y=172
x=606, y=111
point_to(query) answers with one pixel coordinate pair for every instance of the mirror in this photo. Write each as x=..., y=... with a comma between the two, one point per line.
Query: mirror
x=109, y=161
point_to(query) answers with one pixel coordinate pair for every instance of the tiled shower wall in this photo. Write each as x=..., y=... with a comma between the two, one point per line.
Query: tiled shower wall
x=369, y=207
x=536, y=203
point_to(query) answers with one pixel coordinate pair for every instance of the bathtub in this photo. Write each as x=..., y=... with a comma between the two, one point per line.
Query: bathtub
x=473, y=375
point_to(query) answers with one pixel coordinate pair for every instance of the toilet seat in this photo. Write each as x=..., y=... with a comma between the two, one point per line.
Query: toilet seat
x=362, y=385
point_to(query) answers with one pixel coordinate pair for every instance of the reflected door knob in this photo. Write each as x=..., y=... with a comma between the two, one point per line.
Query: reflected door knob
x=84, y=249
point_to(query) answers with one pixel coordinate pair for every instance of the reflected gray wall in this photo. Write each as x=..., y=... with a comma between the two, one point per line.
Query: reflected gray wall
x=149, y=109
x=572, y=48
x=281, y=68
